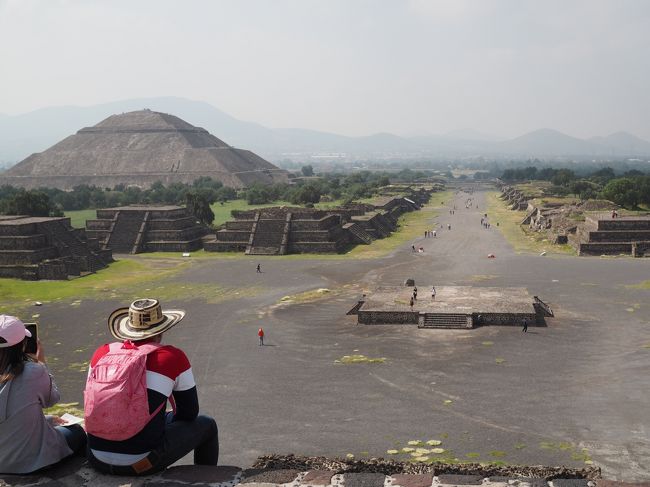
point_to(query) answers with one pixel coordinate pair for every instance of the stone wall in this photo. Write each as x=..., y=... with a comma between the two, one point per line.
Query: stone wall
x=506, y=319
x=388, y=317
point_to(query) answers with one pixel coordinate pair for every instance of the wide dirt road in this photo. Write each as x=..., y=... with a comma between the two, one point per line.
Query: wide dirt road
x=575, y=391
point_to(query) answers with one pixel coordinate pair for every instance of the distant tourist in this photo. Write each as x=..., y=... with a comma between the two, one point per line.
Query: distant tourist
x=448, y=226
x=434, y=233
x=260, y=335
x=433, y=292
x=259, y=268
x=29, y=440
x=415, y=292
x=413, y=248
x=411, y=302
x=525, y=323
x=123, y=437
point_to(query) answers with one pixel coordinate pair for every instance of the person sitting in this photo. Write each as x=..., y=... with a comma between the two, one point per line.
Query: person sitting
x=29, y=440
x=119, y=443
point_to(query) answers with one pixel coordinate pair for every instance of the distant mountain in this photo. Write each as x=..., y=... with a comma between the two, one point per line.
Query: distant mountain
x=471, y=134
x=22, y=135
x=622, y=143
x=546, y=142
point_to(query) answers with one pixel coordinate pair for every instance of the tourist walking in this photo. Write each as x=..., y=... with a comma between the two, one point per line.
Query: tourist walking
x=123, y=437
x=259, y=269
x=434, y=233
x=433, y=292
x=29, y=440
x=411, y=302
x=415, y=293
x=260, y=334
x=525, y=323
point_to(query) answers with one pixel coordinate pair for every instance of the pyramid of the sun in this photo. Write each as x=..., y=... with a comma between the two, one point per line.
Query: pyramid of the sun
x=140, y=148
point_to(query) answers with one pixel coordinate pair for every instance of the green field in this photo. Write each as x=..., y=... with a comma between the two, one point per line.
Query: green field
x=78, y=217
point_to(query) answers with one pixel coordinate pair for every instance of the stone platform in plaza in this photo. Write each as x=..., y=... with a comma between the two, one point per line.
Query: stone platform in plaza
x=453, y=307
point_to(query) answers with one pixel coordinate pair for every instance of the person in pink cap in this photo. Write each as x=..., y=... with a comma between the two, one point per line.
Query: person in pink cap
x=29, y=440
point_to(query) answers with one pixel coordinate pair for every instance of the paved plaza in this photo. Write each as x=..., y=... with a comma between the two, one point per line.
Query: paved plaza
x=573, y=392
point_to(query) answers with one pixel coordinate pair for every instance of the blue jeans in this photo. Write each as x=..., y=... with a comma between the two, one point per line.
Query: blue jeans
x=181, y=437
x=75, y=437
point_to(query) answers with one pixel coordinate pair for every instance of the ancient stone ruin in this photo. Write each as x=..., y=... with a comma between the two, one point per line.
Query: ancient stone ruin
x=35, y=248
x=141, y=228
x=601, y=234
x=559, y=220
x=454, y=307
x=138, y=149
x=515, y=198
x=286, y=230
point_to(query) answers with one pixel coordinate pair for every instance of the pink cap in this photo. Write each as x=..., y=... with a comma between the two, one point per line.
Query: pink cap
x=12, y=330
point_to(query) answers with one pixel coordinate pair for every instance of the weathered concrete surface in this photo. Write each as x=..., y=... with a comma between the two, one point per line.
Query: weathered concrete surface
x=580, y=383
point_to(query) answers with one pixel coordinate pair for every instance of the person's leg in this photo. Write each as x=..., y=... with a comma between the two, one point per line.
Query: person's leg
x=181, y=437
x=75, y=437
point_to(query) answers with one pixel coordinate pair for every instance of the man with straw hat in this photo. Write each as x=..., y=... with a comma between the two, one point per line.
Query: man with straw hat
x=129, y=438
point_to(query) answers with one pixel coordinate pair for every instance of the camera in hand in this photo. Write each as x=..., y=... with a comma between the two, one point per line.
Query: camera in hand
x=32, y=342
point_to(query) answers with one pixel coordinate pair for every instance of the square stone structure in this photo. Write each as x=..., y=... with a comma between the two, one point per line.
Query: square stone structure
x=603, y=235
x=453, y=307
x=143, y=228
x=34, y=248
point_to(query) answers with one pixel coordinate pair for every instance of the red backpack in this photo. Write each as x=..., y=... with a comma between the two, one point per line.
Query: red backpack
x=115, y=399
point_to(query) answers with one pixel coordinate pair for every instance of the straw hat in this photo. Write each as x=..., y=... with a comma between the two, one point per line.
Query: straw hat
x=143, y=319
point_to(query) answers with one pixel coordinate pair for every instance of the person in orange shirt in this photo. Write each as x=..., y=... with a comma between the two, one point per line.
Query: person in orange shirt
x=260, y=333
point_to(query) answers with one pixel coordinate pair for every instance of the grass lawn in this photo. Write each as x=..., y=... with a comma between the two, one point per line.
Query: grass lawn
x=78, y=217
x=521, y=239
x=122, y=280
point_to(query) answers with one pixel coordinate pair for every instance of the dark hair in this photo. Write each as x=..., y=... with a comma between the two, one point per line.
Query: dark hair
x=12, y=361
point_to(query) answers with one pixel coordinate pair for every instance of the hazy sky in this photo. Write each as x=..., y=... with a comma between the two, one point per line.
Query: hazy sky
x=348, y=66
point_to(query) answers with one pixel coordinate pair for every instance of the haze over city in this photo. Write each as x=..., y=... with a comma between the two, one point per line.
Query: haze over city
x=501, y=68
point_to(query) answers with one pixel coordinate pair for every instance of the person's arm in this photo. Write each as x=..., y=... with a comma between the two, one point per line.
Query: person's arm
x=184, y=390
x=48, y=394
x=187, y=404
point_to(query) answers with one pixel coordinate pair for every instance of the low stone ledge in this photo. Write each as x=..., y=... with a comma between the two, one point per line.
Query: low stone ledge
x=295, y=471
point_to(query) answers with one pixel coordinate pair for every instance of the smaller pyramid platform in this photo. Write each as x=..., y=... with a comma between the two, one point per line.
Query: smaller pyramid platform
x=143, y=228
x=34, y=248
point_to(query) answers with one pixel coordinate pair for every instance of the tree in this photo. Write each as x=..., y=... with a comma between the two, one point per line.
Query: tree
x=199, y=206
x=623, y=191
x=308, y=193
x=307, y=170
x=563, y=177
x=258, y=195
x=32, y=203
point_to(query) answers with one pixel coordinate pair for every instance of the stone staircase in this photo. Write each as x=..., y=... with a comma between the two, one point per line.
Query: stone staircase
x=359, y=234
x=542, y=308
x=124, y=235
x=445, y=320
x=70, y=244
x=267, y=237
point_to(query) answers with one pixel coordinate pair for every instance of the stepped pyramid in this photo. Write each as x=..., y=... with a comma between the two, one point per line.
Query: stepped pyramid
x=140, y=148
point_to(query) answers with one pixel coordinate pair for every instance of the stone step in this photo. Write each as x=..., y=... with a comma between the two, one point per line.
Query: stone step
x=263, y=250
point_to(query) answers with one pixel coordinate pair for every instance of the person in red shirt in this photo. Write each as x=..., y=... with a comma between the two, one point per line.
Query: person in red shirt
x=260, y=334
x=168, y=436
